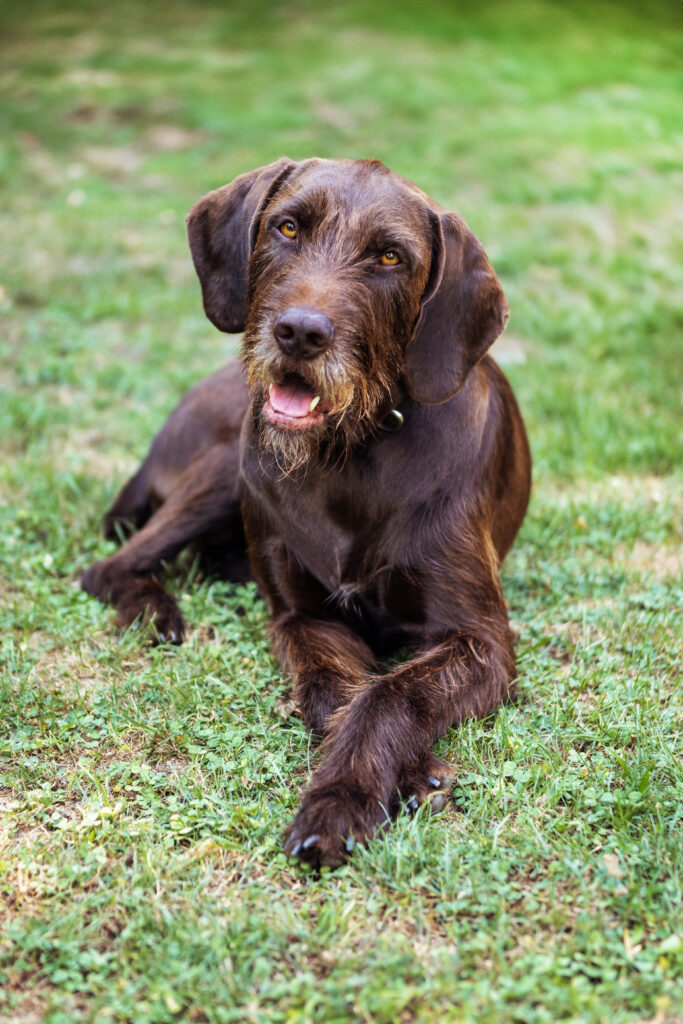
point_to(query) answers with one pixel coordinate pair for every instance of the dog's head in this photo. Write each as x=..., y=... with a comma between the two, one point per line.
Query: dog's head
x=350, y=284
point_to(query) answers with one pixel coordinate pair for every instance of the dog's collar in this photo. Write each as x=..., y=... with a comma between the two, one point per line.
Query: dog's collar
x=392, y=422
x=391, y=418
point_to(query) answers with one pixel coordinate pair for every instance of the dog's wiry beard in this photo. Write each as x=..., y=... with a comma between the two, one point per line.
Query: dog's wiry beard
x=353, y=395
x=292, y=453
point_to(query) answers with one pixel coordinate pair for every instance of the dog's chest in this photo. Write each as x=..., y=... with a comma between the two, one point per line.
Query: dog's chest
x=325, y=527
x=303, y=524
x=352, y=528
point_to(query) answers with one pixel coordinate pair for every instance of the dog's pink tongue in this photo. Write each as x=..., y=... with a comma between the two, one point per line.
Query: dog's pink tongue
x=291, y=398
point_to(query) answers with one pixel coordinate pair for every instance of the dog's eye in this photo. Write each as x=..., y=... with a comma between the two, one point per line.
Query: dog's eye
x=287, y=228
x=390, y=258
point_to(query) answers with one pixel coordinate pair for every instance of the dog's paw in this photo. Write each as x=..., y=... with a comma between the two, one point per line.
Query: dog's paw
x=426, y=780
x=149, y=607
x=97, y=580
x=139, y=598
x=332, y=819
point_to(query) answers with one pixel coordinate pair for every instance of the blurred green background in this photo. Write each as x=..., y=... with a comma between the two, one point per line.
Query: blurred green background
x=144, y=793
x=553, y=127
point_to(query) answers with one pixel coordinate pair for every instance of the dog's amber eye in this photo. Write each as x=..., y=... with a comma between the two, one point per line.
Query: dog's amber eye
x=288, y=229
x=390, y=258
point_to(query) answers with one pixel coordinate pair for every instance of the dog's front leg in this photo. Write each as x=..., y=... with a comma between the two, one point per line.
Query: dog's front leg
x=328, y=662
x=377, y=740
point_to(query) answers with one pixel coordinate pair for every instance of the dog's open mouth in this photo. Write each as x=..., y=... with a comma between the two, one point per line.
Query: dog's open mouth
x=293, y=405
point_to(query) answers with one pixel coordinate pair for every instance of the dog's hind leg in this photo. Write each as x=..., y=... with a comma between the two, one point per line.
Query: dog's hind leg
x=202, y=503
x=132, y=508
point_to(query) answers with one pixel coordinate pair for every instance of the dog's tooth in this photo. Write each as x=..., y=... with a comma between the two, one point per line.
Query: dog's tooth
x=314, y=402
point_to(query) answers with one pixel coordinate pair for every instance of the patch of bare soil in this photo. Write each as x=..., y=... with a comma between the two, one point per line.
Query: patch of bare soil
x=663, y=563
x=88, y=450
x=111, y=160
x=657, y=489
x=509, y=350
x=170, y=138
x=30, y=1010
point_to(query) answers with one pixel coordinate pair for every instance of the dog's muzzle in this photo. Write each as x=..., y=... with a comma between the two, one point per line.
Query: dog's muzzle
x=303, y=333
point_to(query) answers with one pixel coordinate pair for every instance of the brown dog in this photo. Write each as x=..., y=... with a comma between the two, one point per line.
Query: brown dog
x=376, y=462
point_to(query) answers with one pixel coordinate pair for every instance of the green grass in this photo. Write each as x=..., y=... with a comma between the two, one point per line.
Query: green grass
x=144, y=792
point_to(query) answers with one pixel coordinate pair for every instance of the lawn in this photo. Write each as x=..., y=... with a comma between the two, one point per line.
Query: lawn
x=145, y=791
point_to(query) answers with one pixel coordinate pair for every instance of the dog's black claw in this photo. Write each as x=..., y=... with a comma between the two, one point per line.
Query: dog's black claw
x=434, y=781
x=311, y=841
x=349, y=844
x=294, y=852
x=412, y=803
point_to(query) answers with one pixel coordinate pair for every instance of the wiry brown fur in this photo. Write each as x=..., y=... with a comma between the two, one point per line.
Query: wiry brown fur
x=359, y=538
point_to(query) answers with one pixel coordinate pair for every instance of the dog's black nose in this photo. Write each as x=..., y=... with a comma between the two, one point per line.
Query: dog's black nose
x=303, y=332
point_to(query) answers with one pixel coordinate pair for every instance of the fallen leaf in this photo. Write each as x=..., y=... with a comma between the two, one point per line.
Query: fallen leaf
x=285, y=707
x=611, y=862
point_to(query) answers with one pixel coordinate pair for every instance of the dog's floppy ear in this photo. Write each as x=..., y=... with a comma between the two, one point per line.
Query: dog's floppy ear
x=463, y=312
x=221, y=229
